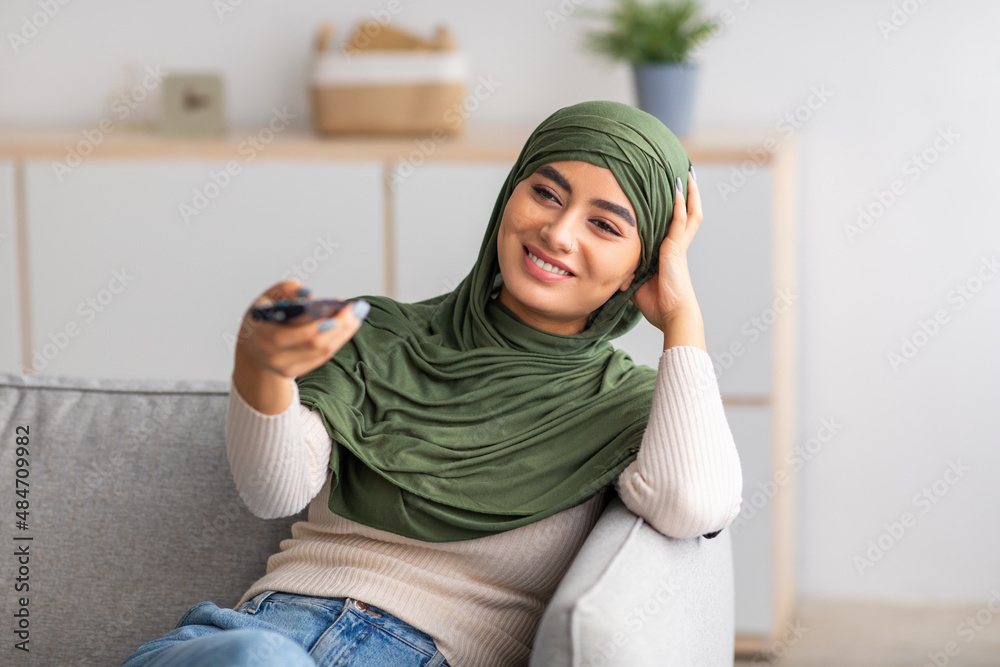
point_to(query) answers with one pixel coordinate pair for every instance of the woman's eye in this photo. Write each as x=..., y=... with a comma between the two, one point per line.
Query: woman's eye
x=545, y=193
x=606, y=227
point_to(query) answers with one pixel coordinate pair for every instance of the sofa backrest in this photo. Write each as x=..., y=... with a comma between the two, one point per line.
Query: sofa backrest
x=131, y=510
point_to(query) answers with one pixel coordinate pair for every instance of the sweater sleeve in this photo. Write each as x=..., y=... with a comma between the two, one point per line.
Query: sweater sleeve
x=686, y=479
x=279, y=462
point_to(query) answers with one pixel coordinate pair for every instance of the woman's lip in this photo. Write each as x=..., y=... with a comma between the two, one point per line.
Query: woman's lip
x=539, y=272
x=545, y=258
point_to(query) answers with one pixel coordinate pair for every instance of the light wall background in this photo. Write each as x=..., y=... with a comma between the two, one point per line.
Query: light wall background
x=889, y=96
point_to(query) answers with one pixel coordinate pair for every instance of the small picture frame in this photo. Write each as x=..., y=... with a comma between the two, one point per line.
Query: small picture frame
x=193, y=105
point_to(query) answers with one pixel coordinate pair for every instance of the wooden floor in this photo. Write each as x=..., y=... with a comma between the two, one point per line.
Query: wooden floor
x=840, y=634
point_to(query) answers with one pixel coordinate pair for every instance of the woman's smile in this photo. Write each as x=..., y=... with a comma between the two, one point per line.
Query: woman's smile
x=544, y=270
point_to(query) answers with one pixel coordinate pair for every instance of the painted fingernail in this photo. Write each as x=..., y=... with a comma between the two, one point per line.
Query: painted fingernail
x=305, y=291
x=327, y=324
x=361, y=308
x=694, y=175
x=680, y=188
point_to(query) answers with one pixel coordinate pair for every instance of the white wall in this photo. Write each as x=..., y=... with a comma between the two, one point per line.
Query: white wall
x=889, y=97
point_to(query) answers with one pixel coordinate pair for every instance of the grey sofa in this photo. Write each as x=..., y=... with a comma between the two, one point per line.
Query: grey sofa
x=133, y=518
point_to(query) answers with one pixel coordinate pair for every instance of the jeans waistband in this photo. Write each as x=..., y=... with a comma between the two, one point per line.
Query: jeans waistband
x=374, y=615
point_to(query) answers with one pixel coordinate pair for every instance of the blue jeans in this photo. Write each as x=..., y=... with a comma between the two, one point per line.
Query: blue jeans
x=290, y=630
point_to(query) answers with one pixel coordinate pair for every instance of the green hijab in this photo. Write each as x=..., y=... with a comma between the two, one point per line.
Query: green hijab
x=451, y=418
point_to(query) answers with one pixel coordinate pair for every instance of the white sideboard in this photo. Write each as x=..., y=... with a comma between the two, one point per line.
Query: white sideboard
x=10, y=343
x=140, y=261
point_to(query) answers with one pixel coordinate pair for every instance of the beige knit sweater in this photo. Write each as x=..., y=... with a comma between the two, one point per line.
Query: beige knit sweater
x=480, y=599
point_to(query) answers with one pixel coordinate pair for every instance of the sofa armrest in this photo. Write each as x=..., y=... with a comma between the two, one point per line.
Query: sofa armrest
x=634, y=596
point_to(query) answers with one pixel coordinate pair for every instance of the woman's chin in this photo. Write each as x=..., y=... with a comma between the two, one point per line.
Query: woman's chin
x=538, y=300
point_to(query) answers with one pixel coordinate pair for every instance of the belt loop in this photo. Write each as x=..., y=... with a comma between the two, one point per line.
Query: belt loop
x=257, y=601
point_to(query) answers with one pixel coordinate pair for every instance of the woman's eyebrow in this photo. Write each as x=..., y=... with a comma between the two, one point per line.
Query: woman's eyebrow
x=614, y=208
x=551, y=172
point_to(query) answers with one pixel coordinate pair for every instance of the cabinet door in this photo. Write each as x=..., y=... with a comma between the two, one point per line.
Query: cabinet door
x=10, y=353
x=442, y=210
x=730, y=264
x=127, y=282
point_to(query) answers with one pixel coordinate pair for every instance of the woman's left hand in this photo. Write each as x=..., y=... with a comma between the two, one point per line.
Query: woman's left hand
x=669, y=291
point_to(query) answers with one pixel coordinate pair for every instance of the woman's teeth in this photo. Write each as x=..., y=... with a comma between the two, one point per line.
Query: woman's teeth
x=548, y=267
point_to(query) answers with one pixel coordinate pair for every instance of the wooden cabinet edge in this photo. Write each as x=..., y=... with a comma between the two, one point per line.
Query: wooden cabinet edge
x=492, y=142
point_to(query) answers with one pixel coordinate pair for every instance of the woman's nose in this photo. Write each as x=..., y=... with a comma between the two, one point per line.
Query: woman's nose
x=560, y=234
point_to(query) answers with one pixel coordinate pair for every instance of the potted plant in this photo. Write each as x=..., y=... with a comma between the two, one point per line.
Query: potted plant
x=657, y=38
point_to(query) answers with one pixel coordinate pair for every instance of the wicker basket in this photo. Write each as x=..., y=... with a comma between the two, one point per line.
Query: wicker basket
x=387, y=91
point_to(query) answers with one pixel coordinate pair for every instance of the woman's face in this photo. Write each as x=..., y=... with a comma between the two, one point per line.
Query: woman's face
x=576, y=214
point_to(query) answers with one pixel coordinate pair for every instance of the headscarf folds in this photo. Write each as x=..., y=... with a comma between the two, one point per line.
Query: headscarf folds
x=451, y=418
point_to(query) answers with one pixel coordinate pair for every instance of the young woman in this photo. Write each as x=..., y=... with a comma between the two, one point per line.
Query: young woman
x=455, y=452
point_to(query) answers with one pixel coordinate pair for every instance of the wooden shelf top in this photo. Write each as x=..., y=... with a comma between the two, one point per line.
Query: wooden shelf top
x=500, y=143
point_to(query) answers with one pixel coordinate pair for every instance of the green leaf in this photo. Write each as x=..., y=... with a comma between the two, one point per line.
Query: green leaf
x=640, y=32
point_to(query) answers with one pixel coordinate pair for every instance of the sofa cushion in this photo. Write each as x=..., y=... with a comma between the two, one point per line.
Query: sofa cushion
x=132, y=510
x=634, y=596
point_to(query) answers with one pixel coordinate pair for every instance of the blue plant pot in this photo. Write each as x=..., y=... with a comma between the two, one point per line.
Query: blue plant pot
x=667, y=90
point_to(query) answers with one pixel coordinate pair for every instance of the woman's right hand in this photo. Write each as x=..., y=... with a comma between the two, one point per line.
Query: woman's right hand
x=290, y=350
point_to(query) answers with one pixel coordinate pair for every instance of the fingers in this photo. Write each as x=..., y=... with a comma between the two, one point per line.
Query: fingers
x=694, y=200
x=286, y=289
x=687, y=212
x=678, y=224
x=345, y=323
x=319, y=334
x=287, y=335
x=313, y=344
x=294, y=335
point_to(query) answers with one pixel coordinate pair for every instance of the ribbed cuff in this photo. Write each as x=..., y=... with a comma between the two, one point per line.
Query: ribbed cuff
x=266, y=456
